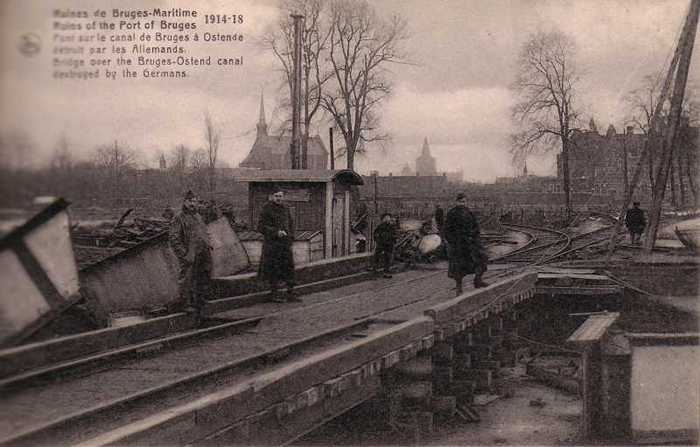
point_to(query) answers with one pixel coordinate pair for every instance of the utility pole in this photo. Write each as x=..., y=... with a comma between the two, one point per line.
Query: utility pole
x=625, y=173
x=671, y=135
x=376, y=208
x=330, y=133
x=297, y=161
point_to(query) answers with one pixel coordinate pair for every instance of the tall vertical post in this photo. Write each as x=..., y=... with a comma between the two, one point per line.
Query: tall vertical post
x=376, y=209
x=330, y=134
x=296, y=95
x=671, y=135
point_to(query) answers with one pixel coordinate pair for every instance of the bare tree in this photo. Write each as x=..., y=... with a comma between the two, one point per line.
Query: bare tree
x=545, y=87
x=62, y=158
x=115, y=161
x=198, y=160
x=361, y=46
x=212, y=138
x=641, y=103
x=16, y=150
x=179, y=161
x=314, y=39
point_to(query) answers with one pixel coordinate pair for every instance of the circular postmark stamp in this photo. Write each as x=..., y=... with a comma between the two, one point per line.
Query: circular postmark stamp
x=29, y=44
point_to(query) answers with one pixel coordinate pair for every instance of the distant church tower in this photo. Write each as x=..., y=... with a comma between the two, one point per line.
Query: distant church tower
x=425, y=164
x=591, y=125
x=272, y=151
x=262, y=125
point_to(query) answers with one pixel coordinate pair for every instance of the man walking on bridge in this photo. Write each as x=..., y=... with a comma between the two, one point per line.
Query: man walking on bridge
x=464, y=247
x=635, y=222
x=189, y=240
x=277, y=261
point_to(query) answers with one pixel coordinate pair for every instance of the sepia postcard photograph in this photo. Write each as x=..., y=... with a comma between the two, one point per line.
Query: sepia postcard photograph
x=349, y=222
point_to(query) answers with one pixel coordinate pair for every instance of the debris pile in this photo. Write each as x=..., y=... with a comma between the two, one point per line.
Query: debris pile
x=97, y=240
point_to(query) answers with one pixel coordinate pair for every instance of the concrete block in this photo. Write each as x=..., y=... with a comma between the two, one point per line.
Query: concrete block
x=417, y=392
x=442, y=352
x=443, y=377
x=391, y=359
x=418, y=368
x=408, y=352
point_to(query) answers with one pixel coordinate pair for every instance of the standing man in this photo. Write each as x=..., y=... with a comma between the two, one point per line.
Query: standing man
x=384, y=241
x=189, y=240
x=465, y=251
x=439, y=218
x=277, y=261
x=635, y=222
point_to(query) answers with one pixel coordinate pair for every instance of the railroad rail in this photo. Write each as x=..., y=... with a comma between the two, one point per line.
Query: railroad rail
x=95, y=393
x=546, y=245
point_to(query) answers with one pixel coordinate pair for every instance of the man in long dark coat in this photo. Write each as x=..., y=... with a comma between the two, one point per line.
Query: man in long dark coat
x=439, y=218
x=189, y=241
x=277, y=261
x=635, y=222
x=384, y=241
x=465, y=250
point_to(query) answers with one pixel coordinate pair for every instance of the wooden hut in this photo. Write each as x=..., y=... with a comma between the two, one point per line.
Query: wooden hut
x=320, y=204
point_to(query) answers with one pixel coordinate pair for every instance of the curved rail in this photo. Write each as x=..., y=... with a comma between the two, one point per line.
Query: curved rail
x=540, y=239
x=554, y=243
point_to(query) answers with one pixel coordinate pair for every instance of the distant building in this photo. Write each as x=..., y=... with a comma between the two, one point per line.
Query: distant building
x=425, y=163
x=273, y=151
x=596, y=162
x=455, y=176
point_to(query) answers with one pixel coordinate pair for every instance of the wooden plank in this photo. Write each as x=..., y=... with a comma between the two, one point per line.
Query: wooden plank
x=41, y=354
x=576, y=290
x=572, y=275
x=593, y=329
x=264, y=390
x=469, y=302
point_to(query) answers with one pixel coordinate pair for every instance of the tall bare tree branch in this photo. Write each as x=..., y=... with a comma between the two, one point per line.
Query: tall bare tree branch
x=545, y=112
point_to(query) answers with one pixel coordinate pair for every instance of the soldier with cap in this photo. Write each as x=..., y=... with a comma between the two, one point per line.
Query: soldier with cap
x=465, y=251
x=384, y=240
x=189, y=241
x=277, y=260
x=635, y=222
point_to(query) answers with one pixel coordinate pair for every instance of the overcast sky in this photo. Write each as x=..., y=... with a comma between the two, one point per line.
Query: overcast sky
x=455, y=94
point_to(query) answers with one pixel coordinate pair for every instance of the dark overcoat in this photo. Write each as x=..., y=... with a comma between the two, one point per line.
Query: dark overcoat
x=464, y=248
x=635, y=220
x=385, y=236
x=277, y=260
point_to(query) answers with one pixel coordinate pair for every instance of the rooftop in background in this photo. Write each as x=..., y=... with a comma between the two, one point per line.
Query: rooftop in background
x=302, y=175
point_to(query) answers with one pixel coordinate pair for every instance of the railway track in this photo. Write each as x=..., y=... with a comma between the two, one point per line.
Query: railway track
x=546, y=245
x=96, y=393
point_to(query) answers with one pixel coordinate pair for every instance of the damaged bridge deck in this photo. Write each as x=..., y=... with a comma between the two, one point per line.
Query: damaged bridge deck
x=290, y=369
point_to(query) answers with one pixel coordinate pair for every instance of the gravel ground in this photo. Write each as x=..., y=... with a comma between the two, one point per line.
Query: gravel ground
x=508, y=420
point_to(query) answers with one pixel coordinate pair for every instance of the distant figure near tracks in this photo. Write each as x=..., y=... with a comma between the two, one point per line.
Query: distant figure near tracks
x=277, y=261
x=464, y=247
x=635, y=222
x=384, y=240
x=189, y=240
